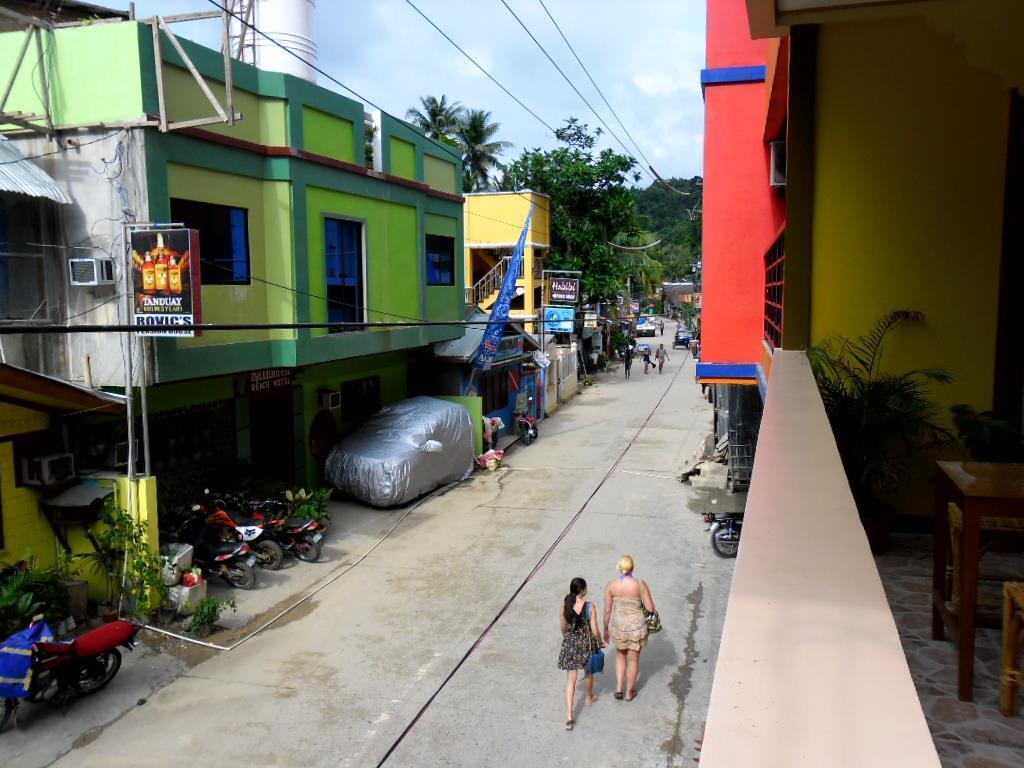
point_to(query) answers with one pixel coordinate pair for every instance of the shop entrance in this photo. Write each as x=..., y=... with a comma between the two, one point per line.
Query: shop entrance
x=271, y=435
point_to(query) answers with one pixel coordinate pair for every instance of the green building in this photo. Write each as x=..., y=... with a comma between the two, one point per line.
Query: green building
x=296, y=224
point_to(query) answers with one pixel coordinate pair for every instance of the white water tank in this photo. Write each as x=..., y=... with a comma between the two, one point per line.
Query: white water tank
x=291, y=23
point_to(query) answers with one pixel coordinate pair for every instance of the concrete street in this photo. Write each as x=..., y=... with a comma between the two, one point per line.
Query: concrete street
x=338, y=680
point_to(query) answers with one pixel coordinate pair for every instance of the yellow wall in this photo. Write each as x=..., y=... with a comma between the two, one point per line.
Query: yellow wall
x=264, y=120
x=499, y=218
x=908, y=203
x=25, y=529
x=270, y=251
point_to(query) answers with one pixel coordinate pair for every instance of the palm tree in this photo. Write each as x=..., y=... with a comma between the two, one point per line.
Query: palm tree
x=437, y=118
x=479, y=153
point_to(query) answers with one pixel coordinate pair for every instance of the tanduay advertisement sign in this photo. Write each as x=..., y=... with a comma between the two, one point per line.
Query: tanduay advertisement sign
x=165, y=280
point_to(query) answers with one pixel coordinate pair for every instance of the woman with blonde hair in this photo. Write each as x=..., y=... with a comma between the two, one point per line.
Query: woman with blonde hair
x=580, y=635
x=624, y=622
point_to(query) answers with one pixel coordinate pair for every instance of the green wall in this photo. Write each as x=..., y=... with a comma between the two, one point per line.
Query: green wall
x=327, y=135
x=391, y=258
x=403, y=159
x=94, y=73
x=441, y=174
x=443, y=302
x=475, y=406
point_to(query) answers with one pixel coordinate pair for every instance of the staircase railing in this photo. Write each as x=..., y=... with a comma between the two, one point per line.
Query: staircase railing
x=490, y=282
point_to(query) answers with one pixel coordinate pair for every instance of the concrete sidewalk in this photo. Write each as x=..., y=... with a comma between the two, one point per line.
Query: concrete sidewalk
x=337, y=681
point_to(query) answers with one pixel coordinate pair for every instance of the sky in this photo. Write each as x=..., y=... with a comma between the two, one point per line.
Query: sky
x=645, y=56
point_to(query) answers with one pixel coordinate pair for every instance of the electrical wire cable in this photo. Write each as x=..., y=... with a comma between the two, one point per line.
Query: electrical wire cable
x=68, y=147
x=573, y=86
x=594, y=83
x=529, y=577
x=476, y=64
x=13, y=329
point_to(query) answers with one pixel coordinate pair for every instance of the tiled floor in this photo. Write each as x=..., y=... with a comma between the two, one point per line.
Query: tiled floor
x=967, y=734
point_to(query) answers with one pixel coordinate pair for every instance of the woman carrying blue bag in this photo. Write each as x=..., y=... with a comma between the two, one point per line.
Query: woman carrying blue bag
x=581, y=644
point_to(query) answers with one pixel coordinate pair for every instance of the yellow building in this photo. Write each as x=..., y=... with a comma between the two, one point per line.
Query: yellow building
x=493, y=223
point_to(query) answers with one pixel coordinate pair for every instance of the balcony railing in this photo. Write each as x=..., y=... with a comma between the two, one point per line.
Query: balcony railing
x=810, y=670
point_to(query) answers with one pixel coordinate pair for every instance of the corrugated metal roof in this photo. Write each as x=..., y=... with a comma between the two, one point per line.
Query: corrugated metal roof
x=464, y=348
x=25, y=177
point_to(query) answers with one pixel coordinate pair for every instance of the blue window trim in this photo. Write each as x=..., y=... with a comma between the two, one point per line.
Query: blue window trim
x=726, y=371
x=732, y=75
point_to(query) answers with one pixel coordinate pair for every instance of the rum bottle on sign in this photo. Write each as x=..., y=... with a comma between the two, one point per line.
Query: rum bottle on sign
x=174, y=276
x=148, y=275
x=160, y=266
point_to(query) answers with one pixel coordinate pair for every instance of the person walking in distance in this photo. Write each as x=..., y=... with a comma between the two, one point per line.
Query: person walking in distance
x=580, y=635
x=661, y=327
x=647, y=358
x=627, y=356
x=626, y=625
x=661, y=356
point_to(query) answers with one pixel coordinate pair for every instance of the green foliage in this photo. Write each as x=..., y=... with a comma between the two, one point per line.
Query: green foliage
x=675, y=220
x=590, y=205
x=878, y=418
x=25, y=593
x=986, y=437
x=208, y=612
x=311, y=504
x=369, y=134
x=475, y=135
x=120, y=538
x=437, y=118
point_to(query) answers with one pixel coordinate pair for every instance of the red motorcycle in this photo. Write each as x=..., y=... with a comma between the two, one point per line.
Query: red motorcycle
x=61, y=671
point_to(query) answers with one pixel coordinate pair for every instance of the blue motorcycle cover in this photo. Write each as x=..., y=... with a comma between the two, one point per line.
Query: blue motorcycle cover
x=16, y=660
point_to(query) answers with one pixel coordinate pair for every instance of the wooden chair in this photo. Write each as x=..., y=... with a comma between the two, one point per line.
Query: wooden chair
x=1013, y=638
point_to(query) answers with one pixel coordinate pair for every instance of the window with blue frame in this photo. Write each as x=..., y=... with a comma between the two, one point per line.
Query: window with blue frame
x=440, y=260
x=223, y=240
x=343, y=258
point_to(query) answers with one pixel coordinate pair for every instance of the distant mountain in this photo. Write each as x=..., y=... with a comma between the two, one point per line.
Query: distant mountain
x=675, y=219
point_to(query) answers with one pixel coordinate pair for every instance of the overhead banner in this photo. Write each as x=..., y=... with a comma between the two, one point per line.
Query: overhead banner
x=564, y=290
x=559, y=319
x=499, y=314
x=165, y=280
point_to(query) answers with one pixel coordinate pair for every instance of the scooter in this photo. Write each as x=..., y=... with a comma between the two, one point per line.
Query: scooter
x=61, y=671
x=299, y=535
x=725, y=533
x=269, y=553
x=233, y=561
x=526, y=425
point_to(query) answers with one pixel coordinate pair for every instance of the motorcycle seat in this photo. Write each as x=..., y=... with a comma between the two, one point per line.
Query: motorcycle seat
x=56, y=649
x=222, y=549
x=103, y=638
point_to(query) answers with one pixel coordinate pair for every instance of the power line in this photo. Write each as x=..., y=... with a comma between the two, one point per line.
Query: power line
x=573, y=86
x=593, y=83
x=476, y=64
x=13, y=329
x=76, y=145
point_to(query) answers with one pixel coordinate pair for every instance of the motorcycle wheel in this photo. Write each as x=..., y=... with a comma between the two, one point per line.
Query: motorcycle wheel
x=9, y=706
x=270, y=555
x=241, y=576
x=527, y=437
x=307, y=549
x=98, y=671
x=725, y=543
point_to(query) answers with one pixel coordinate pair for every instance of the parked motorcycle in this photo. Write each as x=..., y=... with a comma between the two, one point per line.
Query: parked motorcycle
x=725, y=533
x=234, y=561
x=526, y=425
x=61, y=671
x=269, y=553
x=298, y=535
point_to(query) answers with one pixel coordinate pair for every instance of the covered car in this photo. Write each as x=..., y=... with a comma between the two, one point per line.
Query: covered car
x=403, y=451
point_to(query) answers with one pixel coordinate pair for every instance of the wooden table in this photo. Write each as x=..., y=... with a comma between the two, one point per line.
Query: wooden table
x=980, y=490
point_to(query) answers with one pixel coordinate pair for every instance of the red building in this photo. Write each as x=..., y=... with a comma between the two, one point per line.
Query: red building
x=743, y=208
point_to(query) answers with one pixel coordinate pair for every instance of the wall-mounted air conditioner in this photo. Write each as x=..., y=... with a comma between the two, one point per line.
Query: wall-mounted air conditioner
x=778, y=164
x=47, y=470
x=89, y=271
x=330, y=399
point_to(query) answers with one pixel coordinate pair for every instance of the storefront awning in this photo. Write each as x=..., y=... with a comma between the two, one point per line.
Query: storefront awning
x=23, y=177
x=29, y=389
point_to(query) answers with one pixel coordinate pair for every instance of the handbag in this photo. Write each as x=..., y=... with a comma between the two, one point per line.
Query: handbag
x=595, y=663
x=652, y=617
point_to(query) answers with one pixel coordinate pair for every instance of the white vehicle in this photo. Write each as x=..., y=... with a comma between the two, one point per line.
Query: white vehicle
x=646, y=326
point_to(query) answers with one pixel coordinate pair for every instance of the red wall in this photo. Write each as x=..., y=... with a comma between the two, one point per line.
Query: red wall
x=742, y=213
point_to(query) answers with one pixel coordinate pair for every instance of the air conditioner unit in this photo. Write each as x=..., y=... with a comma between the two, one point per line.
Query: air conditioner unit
x=47, y=470
x=330, y=399
x=778, y=164
x=89, y=271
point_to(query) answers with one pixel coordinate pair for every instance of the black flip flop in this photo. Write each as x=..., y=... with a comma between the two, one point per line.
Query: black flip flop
x=618, y=695
x=633, y=696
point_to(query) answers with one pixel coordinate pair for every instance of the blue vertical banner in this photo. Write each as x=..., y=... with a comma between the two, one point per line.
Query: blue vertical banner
x=499, y=313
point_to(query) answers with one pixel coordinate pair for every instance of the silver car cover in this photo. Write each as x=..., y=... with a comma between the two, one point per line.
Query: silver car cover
x=403, y=451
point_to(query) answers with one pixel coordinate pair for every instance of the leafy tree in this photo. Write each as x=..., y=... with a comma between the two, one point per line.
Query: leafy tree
x=675, y=219
x=437, y=118
x=475, y=134
x=590, y=205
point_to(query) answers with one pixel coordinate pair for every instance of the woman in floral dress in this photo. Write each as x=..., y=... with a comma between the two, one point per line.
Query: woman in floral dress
x=580, y=636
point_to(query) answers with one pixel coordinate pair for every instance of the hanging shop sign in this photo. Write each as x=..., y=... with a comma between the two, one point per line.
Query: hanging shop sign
x=263, y=380
x=165, y=280
x=559, y=319
x=564, y=290
x=509, y=347
x=590, y=320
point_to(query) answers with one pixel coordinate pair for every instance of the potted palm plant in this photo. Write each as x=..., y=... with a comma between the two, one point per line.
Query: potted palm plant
x=879, y=418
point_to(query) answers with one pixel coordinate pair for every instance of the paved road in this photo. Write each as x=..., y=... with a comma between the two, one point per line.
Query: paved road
x=338, y=681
